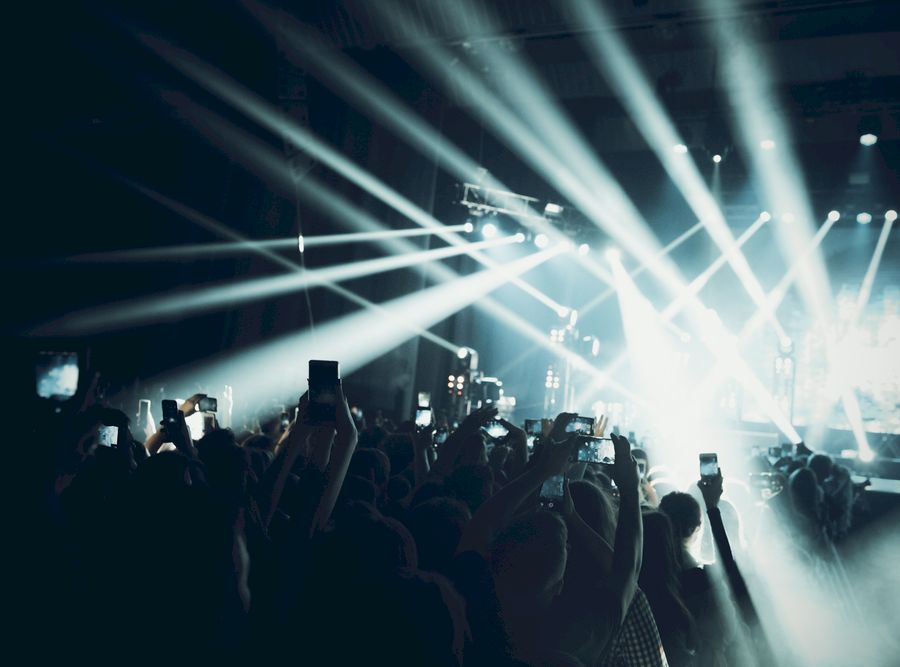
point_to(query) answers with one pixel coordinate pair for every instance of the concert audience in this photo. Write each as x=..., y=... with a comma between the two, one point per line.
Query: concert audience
x=352, y=543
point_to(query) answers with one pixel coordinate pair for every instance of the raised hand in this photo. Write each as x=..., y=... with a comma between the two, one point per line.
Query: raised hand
x=344, y=424
x=477, y=419
x=625, y=469
x=711, y=488
x=558, y=431
x=189, y=407
x=516, y=435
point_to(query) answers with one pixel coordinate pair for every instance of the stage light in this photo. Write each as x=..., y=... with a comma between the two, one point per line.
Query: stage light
x=765, y=216
x=489, y=230
x=834, y=216
x=680, y=149
x=468, y=228
x=868, y=139
x=890, y=215
x=300, y=245
x=864, y=218
x=552, y=209
x=562, y=311
x=541, y=241
x=519, y=237
x=584, y=249
x=866, y=455
x=612, y=254
x=451, y=378
x=717, y=158
x=462, y=352
x=767, y=144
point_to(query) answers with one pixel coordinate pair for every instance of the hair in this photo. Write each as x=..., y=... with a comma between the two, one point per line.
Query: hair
x=821, y=465
x=471, y=484
x=595, y=507
x=372, y=464
x=683, y=511
x=399, y=449
x=527, y=555
x=437, y=526
x=398, y=488
x=258, y=441
x=427, y=491
x=660, y=580
x=805, y=494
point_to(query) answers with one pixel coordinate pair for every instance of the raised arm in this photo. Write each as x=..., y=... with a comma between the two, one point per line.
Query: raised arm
x=339, y=461
x=626, y=561
x=449, y=451
x=518, y=454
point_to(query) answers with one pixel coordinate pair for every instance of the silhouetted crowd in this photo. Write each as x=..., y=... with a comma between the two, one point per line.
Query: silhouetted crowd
x=364, y=542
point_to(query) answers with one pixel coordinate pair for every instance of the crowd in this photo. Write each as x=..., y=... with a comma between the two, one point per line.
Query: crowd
x=349, y=542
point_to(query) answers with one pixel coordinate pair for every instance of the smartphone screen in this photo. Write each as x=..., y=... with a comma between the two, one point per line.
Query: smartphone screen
x=440, y=437
x=709, y=465
x=552, y=492
x=143, y=409
x=424, y=399
x=207, y=404
x=533, y=427
x=423, y=417
x=582, y=425
x=108, y=436
x=169, y=411
x=56, y=375
x=495, y=429
x=597, y=450
x=324, y=380
x=285, y=420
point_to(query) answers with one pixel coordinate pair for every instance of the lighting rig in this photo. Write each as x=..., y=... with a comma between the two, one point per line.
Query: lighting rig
x=559, y=381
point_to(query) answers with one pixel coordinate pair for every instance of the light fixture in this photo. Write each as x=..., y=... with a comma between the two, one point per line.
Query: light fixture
x=541, y=240
x=765, y=216
x=462, y=352
x=868, y=139
x=584, y=249
x=468, y=228
x=552, y=209
x=300, y=245
x=767, y=144
x=864, y=218
x=717, y=158
x=890, y=215
x=519, y=237
x=834, y=216
x=489, y=230
x=680, y=148
x=562, y=311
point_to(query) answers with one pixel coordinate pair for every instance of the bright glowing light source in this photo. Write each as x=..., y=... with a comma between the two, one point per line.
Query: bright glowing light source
x=452, y=378
x=864, y=218
x=541, y=240
x=765, y=216
x=462, y=352
x=584, y=248
x=866, y=455
x=489, y=231
x=612, y=254
x=834, y=216
x=890, y=215
x=519, y=237
x=767, y=144
x=868, y=139
x=685, y=337
x=717, y=158
x=553, y=209
x=680, y=148
x=562, y=311
x=300, y=244
x=468, y=228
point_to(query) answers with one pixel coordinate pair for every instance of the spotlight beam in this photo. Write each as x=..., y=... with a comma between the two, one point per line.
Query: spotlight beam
x=177, y=304
x=865, y=290
x=613, y=58
x=362, y=336
x=256, y=108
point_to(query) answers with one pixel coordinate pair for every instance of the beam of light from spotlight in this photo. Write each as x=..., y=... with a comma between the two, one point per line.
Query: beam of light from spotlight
x=359, y=87
x=865, y=289
x=669, y=247
x=361, y=237
x=702, y=280
x=190, y=251
x=362, y=336
x=202, y=299
x=590, y=186
x=612, y=57
x=725, y=349
x=257, y=109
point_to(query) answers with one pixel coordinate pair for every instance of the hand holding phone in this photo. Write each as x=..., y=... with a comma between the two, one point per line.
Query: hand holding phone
x=624, y=470
x=552, y=492
x=710, y=485
x=596, y=450
x=424, y=417
x=495, y=429
x=324, y=382
x=580, y=425
x=709, y=465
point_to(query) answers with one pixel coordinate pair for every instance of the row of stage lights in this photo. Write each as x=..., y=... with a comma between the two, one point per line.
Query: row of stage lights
x=867, y=139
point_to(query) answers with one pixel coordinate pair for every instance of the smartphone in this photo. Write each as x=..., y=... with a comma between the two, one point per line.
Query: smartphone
x=642, y=468
x=596, y=450
x=495, y=429
x=440, y=437
x=424, y=399
x=424, y=417
x=552, y=492
x=169, y=412
x=774, y=452
x=709, y=465
x=324, y=380
x=143, y=410
x=108, y=436
x=533, y=427
x=207, y=404
x=285, y=420
x=582, y=425
x=56, y=375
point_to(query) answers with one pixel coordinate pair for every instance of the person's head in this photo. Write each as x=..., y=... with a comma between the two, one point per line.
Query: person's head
x=399, y=450
x=427, y=491
x=371, y=464
x=595, y=507
x=821, y=465
x=357, y=489
x=683, y=511
x=471, y=484
x=437, y=526
x=258, y=441
x=660, y=567
x=806, y=495
x=642, y=459
x=398, y=489
x=528, y=560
